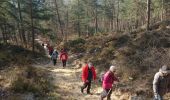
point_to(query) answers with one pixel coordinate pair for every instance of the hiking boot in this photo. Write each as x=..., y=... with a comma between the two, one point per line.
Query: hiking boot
x=81, y=90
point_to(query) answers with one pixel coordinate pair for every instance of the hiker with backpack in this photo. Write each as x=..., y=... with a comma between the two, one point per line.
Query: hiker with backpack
x=88, y=75
x=63, y=57
x=107, y=83
x=161, y=83
x=54, y=57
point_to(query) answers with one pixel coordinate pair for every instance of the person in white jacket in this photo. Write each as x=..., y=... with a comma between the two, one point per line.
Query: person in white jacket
x=160, y=83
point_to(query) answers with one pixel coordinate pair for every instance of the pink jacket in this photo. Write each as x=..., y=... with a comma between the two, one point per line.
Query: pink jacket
x=108, y=80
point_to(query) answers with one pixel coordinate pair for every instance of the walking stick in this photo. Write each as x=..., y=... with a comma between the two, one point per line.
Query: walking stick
x=111, y=89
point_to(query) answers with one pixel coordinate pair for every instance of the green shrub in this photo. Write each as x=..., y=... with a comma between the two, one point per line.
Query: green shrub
x=121, y=41
x=32, y=80
x=78, y=41
x=76, y=46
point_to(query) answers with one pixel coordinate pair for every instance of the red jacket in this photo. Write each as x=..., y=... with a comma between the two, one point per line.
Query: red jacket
x=63, y=56
x=50, y=48
x=109, y=79
x=85, y=73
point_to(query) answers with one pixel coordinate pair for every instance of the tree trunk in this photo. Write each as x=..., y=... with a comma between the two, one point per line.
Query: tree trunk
x=162, y=11
x=67, y=26
x=32, y=25
x=21, y=23
x=148, y=14
x=96, y=18
x=167, y=9
x=78, y=18
x=117, y=21
x=3, y=34
x=59, y=20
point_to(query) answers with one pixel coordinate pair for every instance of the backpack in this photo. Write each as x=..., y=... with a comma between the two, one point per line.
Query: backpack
x=102, y=76
x=64, y=56
x=55, y=55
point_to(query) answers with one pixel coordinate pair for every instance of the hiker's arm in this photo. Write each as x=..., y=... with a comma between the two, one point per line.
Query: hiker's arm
x=83, y=74
x=116, y=79
x=155, y=83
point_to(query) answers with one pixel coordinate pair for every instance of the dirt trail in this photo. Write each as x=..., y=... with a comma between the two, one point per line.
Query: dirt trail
x=68, y=82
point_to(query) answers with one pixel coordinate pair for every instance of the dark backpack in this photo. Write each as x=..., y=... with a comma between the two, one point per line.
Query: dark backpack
x=102, y=77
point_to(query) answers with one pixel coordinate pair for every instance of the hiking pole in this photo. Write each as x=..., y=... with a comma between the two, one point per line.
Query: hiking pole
x=111, y=89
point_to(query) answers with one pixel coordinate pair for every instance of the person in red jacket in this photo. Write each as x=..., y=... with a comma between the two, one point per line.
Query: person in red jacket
x=50, y=49
x=63, y=57
x=108, y=81
x=88, y=74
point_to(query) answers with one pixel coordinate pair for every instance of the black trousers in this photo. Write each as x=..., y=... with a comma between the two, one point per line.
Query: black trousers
x=54, y=61
x=87, y=85
x=106, y=93
x=64, y=63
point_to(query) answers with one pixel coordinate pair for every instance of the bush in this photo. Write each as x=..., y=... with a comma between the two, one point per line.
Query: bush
x=121, y=41
x=76, y=46
x=32, y=80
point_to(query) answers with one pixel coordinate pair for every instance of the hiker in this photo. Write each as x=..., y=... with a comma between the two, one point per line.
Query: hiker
x=108, y=81
x=88, y=74
x=54, y=57
x=161, y=82
x=63, y=57
x=50, y=49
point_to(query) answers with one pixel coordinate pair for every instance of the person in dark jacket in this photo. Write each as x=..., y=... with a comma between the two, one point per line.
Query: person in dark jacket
x=161, y=83
x=54, y=57
x=88, y=75
x=63, y=57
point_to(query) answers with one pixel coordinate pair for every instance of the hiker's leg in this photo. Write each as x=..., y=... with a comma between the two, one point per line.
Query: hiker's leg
x=109, y=94
x=84, y=86
x=160, y=97
x=103, y=94
x=54, y=61
x=88, y=87
x=63, y=62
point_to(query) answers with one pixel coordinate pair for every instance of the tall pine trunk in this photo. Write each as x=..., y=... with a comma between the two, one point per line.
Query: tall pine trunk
x=78, y=18
x=96, y=18
x=148, y=14
x=59, y=20
x=117, y=21
x=21, y=28
x=32, y=25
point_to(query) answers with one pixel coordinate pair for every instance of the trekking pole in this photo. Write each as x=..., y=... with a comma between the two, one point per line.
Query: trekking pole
x=111, y=89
